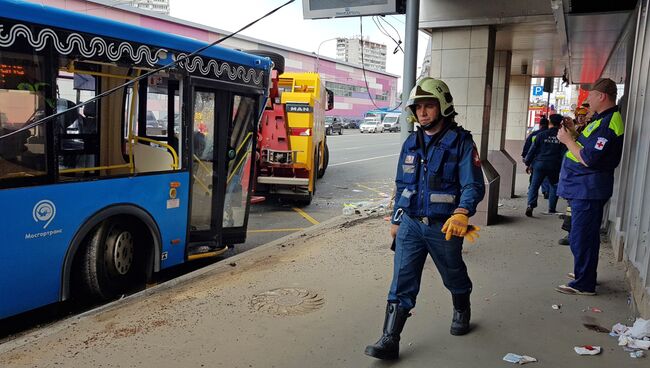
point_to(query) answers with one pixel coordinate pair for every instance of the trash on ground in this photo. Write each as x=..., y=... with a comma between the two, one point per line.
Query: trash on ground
x=587, y=350
x=635, y=337
x=637, y=354
x=596, y=310
x=519, y=359
x=500, y=205
x=633, y=343
x=381, y=207
x=556, y=306
x=357, y=191
x=537, y=253
x=640, y=329
x=619, y=329
x=596, y=328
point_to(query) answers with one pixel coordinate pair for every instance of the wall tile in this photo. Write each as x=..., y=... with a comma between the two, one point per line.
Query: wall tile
x=476, y=91
x=456, y=38
x=477, y=62
x=455, y=63
x=479, y=37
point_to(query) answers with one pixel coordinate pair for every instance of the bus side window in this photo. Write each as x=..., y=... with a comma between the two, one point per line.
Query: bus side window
x=23, y=100
x=77, y=131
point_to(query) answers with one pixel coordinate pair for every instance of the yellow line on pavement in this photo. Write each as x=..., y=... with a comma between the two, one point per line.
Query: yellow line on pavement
x=275, y=230
x=372, y=189
x=306, y=216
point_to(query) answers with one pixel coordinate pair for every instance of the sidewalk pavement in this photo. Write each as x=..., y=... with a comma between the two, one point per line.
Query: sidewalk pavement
x=334, y=279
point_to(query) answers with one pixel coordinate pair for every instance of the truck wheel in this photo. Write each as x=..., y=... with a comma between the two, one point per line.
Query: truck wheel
x=277, y=59
x=326, y=161
x=112, y=263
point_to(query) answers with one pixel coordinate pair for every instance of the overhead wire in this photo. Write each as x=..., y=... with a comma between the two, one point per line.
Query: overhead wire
x=363, y=68
x=143, y=76
x=382, y=29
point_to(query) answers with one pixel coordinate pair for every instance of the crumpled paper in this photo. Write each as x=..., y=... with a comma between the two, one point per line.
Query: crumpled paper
x=635, y=337
x=519, y=359
x=587, y=350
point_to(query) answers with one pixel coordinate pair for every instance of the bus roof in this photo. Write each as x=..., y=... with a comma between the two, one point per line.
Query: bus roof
x=68, y=20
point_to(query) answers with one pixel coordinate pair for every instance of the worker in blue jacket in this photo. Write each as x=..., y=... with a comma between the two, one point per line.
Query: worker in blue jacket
x=544, y=159
x=587, y=181
x=532, y=137
x=439, y=184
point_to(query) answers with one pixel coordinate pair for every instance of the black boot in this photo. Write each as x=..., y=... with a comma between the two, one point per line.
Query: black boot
x=388, y=345
x=462, y=314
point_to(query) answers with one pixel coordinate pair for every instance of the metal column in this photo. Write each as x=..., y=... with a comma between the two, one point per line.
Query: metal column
x=410, y=59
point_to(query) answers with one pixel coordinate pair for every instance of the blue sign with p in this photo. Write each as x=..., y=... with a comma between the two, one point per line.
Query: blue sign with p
x=538, y=90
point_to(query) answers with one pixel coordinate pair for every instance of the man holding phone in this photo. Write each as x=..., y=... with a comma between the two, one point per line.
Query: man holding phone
x=587, y=180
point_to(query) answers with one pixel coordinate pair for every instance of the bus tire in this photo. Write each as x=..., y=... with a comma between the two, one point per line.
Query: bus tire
x=326, y=160
x=277, y=59
x=112, y=262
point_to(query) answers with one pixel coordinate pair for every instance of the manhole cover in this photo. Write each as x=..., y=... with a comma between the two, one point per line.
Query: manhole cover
x=287, y=301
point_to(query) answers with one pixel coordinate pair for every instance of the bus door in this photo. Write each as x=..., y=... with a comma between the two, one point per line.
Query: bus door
x=223, y=141
x=208, y=118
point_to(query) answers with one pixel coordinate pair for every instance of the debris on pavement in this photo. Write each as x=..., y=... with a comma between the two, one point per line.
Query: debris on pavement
x=595, y=327
x=381, y=207
x=519, y=359
x=556, y=306
x=587, y=350
x=595, y=310
x=637, y=354
x=633, y=338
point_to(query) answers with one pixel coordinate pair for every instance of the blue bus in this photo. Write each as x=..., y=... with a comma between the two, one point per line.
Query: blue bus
x=98, y=199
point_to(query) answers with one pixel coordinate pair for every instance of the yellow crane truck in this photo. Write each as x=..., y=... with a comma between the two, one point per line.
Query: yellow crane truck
x=292, y=147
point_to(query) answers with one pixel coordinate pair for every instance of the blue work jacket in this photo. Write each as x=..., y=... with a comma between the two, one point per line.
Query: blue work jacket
x=530, y=140
x=436, y=178
x=601, y=145
x=546, y=152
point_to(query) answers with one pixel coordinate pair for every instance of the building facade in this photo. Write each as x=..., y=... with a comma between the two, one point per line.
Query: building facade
x=352, y=86
x=351, y=49
x=158, y=6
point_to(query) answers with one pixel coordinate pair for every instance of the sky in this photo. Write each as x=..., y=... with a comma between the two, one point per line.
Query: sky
x=287, y=26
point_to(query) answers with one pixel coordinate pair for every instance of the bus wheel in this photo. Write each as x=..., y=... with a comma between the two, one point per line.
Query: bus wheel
x=326, y=160
x=111, y=263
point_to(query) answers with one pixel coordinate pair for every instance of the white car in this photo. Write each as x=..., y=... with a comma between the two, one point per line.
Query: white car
x=373, y=126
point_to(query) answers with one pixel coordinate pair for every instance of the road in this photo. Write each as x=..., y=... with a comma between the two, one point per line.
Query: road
x=361, y=168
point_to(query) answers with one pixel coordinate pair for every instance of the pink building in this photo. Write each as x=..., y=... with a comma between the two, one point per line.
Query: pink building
x=345, y=79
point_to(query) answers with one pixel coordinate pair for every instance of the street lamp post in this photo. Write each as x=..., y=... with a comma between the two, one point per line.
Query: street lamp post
x=318, y=51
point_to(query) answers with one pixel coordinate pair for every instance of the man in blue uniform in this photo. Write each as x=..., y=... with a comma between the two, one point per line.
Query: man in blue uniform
x=545, y=159
x=587, y=180
x=532, y=137
x=439, y=183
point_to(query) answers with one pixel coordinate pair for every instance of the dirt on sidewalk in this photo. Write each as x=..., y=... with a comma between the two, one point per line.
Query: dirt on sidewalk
x=316, y=300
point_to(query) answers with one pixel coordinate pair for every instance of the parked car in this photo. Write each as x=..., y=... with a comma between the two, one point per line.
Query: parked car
x=391, y=122
x=352, y=124
x=371, y=126
x=333, y=125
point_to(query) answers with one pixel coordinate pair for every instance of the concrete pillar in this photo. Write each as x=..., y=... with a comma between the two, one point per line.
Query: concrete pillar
x=464, y=58
x=517, y=117
x=497, y=155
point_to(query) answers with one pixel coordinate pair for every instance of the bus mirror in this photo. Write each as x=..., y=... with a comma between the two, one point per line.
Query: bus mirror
x=330, y=99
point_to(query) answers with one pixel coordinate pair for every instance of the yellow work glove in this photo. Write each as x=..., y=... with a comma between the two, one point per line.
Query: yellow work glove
x=456, y=225
x=472, y=233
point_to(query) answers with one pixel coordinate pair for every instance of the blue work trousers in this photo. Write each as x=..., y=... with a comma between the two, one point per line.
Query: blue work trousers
x=415, y=240
x=584, y=239
x=538, y=177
